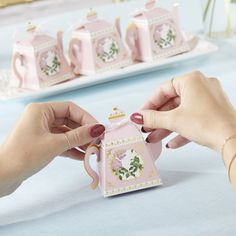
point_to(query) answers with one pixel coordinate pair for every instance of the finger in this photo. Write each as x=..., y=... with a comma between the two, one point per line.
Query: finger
x=171, y=104
x=74, y=154
x=64, y=129
x=158, y=135
x=60, y=129
x=177, y=142
x=162, y=95
x=84, y=147
x=70, y=123
x=156, y=119
x=146, y=129
x=84, y=134
x=67, y=122
x=77, y=137
x=62, y=110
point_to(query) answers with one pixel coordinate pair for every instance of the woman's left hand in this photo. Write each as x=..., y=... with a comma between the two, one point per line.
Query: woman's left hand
x=44, y=131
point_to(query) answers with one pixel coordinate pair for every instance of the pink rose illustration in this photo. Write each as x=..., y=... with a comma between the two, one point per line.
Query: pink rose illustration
x=157, y=34
x=43, y=63
x=100, y=49
x=116, y=164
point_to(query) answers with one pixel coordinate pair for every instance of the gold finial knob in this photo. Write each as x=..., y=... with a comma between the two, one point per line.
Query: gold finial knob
x=92, y=14
x=150, y=4
x=31, y=27
x=116, y=113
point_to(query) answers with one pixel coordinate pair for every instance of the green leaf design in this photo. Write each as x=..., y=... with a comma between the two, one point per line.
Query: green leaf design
x=114, y=49
x=49, y=70
x=135, y=166
x=170, y=36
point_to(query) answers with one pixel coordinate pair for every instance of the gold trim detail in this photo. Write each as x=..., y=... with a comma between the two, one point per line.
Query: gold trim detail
x=13, y=2
x=31, y=27
x=121, y=142
x=134, y=187
x=116, y=113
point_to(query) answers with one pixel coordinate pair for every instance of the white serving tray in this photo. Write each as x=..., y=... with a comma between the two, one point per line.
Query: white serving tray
x=200, y=47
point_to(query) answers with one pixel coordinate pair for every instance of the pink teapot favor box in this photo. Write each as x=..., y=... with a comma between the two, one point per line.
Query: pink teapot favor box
x=38, y=60
x=155, y=33
x=125, y=161
x=96, y=46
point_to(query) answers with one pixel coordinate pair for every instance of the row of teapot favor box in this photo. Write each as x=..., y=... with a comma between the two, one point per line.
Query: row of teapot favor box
x=96, y=46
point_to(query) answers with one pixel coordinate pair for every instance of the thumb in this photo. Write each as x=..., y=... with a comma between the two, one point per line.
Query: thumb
x=154, y=119
x=78, y=137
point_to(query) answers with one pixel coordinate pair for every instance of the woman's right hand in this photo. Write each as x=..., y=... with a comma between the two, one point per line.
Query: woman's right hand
x=193, y=106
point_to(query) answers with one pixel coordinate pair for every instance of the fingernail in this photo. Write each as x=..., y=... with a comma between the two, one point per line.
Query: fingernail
x=147, y=140
x=143, y=130
x=97, y=130
x=137, y=118
x=167, y=145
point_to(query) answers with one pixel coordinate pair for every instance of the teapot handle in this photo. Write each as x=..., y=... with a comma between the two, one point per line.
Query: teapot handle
x=131, y=38
x=72, y=56
x=60, y=40
x=92, y=149
x=154, y=149
x=18, y=56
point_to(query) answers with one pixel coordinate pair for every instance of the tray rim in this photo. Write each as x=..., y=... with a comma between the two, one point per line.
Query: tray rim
x=131, y=70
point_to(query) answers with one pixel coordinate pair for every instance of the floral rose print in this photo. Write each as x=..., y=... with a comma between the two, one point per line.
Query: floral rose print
x=50, y=63
x=127, y=165
x=116, y=164
x=164, y=36
x=108, y=49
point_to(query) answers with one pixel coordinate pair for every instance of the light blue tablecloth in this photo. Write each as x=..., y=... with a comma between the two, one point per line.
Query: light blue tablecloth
x=196, y=198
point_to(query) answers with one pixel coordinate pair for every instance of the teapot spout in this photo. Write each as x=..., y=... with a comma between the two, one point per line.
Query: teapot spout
x=154, y=150
x=59, y=40
x=117, y=25
x=131, y=40
x=176, y=11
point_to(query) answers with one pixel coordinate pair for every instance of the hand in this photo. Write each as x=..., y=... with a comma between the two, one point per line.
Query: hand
x=193, y=106
x=44, y=131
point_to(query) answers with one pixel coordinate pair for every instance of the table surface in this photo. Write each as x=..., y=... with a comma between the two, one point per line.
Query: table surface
x=196, y=198
x=42, y=8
